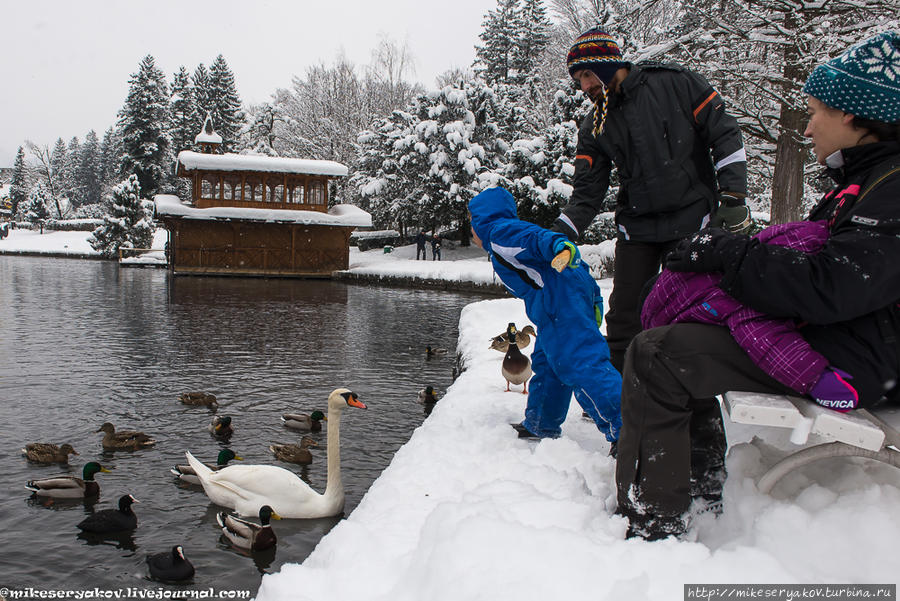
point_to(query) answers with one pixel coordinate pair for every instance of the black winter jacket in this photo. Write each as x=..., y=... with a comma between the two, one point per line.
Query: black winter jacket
x=842, y=292
x=674, y=148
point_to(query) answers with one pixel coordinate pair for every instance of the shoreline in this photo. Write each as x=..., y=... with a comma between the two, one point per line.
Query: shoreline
x=490, y=289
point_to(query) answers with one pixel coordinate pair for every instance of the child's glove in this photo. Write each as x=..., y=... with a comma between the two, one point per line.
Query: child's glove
x=834, y=391
x=567, y=255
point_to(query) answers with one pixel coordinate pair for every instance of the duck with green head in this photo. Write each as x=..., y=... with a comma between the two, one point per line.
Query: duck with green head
x=69, y=487
x=304, y=422
x=187, y=474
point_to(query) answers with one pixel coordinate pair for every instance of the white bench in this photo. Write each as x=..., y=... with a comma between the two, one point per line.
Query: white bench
x=858, y=433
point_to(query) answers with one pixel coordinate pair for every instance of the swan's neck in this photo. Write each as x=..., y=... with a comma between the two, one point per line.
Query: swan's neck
x=334, y=488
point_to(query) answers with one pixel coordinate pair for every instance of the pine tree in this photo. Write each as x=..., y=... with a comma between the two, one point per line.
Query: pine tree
x=182, y=108
x=389, y=172
x=531, y=40
x=201, y=86
x=110, y=157
x=68, y=184
x=444, y=138
x=37, y=207
x=495, y=59
x=128, y=222
x=58, y=161
x=18, y=190
x=144, y=121
x=224, y=104
x=87, y=174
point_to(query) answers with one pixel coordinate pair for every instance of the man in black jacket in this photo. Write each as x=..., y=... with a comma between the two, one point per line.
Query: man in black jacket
x=679, y=158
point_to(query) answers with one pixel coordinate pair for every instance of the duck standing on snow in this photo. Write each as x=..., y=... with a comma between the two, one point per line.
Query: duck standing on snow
x=500, y=342
x=304, y=422
x=246, y=488
x=516, y=367
x=170, y=566
x=124, y=440
x=199, y=398
x=42, y=452
x=69, y=487
x=247, y=535
x=112, y=520
x=186, y=473
x=221, y=427
x=293, y=453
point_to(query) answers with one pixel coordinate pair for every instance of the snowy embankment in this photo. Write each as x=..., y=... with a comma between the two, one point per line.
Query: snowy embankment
x=466, y=510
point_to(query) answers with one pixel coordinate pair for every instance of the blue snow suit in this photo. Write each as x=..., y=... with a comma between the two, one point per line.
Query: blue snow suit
x=570, y=355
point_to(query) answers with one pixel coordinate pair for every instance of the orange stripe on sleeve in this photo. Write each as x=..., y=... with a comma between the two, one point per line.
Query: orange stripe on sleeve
x=704, y=103
x=586, y=157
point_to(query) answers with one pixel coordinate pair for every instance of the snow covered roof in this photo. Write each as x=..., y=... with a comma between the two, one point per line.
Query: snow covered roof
x=345, y=215
x=190, y=161
x=207, y=134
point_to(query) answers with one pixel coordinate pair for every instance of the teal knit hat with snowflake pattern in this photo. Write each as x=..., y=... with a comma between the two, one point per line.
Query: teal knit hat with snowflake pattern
x=863, y=81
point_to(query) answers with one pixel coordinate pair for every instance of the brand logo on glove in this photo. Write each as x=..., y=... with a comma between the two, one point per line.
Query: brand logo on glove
x=842, y=404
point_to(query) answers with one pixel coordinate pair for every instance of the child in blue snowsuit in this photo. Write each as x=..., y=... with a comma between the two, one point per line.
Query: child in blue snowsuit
x=570, y=355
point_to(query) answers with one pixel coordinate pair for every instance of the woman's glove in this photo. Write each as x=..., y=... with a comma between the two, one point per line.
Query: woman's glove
x=707, y=250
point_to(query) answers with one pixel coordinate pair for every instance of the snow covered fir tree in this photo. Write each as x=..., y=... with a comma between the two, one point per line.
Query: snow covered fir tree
x=128, y=222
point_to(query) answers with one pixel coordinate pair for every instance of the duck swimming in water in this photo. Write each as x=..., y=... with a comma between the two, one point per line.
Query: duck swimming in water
x=42, y=452
x=69, y=487
x=112, y=520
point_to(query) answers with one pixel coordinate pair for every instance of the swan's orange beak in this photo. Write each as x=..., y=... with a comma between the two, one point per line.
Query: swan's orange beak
x=354, y=401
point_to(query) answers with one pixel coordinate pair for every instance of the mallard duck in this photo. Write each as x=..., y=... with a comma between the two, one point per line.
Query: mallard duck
x=127, y=440
x=523, y=339
x=434, y=351
x=304, y=422
x=69, y=487
x=247, y=535
x=186, y=474
x=293, y=453
x=170, y=566
x=427, y=396
x=42, y=452
x=112, y=520
x=516, y=367
x=220, y=427
x=199, y=398
x=246, y=488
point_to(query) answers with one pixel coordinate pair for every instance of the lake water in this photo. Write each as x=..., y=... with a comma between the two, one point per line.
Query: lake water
x=85, y=342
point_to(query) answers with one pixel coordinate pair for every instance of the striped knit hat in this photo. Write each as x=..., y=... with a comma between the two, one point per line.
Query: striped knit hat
x=598, y=51
x=863, y=81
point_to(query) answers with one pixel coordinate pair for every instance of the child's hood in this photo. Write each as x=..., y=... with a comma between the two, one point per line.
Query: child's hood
x=488, y=207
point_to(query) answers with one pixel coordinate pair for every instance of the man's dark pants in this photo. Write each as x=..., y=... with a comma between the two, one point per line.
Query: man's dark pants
x=636, y=263
x=672, y=444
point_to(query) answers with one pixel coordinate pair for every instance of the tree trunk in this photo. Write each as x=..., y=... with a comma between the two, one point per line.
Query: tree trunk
x=790, y=157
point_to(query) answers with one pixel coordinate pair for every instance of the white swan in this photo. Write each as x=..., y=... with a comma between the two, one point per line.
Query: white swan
x=246, y=488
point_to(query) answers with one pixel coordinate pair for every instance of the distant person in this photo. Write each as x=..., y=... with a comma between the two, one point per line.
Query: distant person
x=420, y=246
x=4, y=230
x=562, y=299
x=843, y=298
x=679, y=158
x=436, y=247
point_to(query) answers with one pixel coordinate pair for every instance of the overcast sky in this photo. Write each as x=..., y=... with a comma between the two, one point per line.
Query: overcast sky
x=65, y=65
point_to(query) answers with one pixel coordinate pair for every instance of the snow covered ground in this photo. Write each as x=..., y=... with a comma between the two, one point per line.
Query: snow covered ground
x=468, y=511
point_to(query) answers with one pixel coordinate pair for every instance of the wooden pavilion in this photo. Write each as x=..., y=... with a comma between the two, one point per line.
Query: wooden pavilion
x=255, y=215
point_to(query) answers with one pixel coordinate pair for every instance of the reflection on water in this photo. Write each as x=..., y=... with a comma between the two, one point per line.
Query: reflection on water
x=85, y=342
